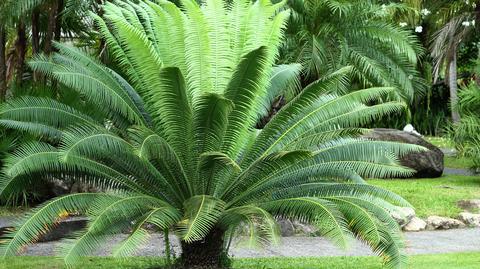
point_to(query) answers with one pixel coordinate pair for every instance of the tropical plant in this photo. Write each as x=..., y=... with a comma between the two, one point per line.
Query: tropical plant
x=466, y=132
x=324, y=35
x=37, y=23
x=172, y=142
x=446, y=25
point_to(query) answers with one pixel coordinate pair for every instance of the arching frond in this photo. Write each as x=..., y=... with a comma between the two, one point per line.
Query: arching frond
x=201, y=214
x=244, y=90
x=39, y=221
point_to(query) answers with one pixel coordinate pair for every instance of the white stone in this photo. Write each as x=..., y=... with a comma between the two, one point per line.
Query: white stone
x=443, y=223
x=470, y=218
x=410, y=129
x=403, y=215
x=415, y=225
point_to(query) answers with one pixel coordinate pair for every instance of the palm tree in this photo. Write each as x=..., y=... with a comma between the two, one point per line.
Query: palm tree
x=42, y=22
x=324, y=35
x=57, y=16
x=454, y=21
x=171, y=141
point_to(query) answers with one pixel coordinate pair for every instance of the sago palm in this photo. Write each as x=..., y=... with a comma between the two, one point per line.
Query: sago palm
x=171, y=140
x=324, y=35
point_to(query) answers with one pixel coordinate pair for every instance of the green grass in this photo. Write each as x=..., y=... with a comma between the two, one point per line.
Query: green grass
x=434, y=196
x=458, y=162
x=441, y=142
x=441, y=261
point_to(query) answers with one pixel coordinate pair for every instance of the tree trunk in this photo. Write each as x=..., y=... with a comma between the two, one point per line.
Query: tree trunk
x=51, y=27
x=35, y=32
x=35, y=37
x=103, y=44
x=452, y=85
x=3, y=63
x=58, y=20
x=207, y=253
x=21, y=50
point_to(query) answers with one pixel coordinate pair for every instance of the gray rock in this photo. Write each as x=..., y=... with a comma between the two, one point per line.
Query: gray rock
x=304, y=229
x=470, y=219
x=295, y=228
x=81, y=187
x=415, y=225
x=286, y=227
x=443, y=223
x=469, y=205
x=63, y=228
x=403, y=215
x=428, y=164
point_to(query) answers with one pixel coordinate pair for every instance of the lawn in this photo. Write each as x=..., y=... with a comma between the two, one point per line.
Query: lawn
x=434, y=196
x=441, y=142
x=442, y=261
x=457, y=162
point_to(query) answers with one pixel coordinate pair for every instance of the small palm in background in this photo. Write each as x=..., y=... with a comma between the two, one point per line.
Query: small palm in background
x=466, y=132
x=171, y=141
x=324, y=35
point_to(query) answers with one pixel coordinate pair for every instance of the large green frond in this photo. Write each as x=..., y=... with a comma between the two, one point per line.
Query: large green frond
x=261, y=226
x=201, y=214
x=39, y=221
x=41, y=115
x=244, y=90
x=322, y=213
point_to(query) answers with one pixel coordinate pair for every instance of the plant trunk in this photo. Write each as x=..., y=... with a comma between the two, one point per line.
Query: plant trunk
x=207, y=253
x=58, y=20
x=103, y=44
x=35, y=32
x=35, y=37
x=51, y=27
x=3, y=63
x=21, y=50
x=452, y=85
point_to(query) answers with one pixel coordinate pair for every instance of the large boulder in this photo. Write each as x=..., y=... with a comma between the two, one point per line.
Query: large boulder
x=428, y=164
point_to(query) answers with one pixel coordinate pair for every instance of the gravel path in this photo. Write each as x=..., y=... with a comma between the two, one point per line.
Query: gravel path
x=458, y=172
x=425, y=242
x=6, y=221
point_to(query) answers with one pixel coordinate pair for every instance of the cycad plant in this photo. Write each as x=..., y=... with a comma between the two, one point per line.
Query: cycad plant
x=324, y=35
x=170, y=139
